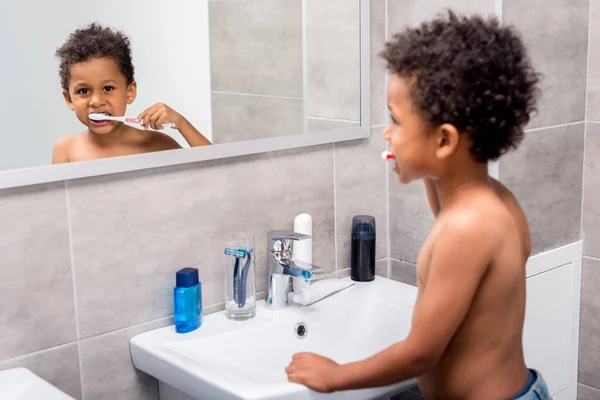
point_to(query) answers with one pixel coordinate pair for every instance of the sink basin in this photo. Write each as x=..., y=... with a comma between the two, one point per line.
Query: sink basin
x=246, y=360
x=22, y=384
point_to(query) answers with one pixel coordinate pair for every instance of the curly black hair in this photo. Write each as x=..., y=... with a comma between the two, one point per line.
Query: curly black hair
x=95, y=41
x=471, y=72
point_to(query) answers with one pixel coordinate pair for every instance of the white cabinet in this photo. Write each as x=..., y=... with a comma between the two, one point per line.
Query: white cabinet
x=551, y=333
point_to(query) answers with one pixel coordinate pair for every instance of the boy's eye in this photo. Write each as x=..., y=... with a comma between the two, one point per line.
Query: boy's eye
x=394, y=120
x=108, y=88
x=83, y=91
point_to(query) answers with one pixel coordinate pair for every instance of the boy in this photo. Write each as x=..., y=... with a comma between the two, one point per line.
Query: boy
x=460, y=92
x=96, y=75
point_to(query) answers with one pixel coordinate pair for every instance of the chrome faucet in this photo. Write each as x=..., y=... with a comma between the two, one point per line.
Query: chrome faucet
x=280, y=267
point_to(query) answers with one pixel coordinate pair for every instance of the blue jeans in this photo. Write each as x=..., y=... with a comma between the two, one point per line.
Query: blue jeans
x=536, y=388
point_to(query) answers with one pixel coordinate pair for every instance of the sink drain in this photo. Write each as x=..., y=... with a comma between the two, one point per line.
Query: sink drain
x=300, y=330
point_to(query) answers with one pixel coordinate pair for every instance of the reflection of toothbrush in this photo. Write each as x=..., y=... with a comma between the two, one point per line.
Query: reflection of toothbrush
x=387, y=155
x=131, y=120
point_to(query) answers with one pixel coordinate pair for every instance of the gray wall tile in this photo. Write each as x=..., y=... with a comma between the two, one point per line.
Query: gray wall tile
x=58, y=366
x=404, y=13
x=256, y=46
x=238, y=117
x=545, y=176
x=142, y=227
x=333, y=59
x=36, y=288
x=587, y=393
x=342, y=273
x=411, y=218
x=360, y=189
x=404, y=272
x=593, y=82
x=320, y=124
x=591, y=192
x=589, y=330
x=378, y=72
x=381, y=268
x=107, y=370
x=556, y=34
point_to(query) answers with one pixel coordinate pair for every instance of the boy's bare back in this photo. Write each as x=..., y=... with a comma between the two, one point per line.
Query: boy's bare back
x=85, y=146
x=484, y=358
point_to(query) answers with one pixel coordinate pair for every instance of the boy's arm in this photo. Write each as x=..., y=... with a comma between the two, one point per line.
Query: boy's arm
x=159, y=114
x=459, y=260
x=192, y=135
x=432, y=196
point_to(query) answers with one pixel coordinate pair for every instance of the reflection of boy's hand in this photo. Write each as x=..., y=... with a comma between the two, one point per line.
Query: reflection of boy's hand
x=159, y=114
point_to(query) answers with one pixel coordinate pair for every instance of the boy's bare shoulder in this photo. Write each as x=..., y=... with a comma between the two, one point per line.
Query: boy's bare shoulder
x=63, y=148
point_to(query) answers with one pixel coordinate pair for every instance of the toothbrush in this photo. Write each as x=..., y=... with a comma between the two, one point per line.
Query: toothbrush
x=387, y=155
x=131, y=120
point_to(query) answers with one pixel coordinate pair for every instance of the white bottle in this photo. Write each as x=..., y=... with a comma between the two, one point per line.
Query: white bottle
x=303, y=248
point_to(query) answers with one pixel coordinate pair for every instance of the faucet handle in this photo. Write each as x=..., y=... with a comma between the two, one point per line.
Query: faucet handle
x=280, y=243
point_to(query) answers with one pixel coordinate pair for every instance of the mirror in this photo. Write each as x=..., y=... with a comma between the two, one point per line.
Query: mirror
x=248, y=75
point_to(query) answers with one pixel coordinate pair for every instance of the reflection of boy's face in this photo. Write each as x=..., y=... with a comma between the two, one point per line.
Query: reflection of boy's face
x=97, y=85
x=409, y=134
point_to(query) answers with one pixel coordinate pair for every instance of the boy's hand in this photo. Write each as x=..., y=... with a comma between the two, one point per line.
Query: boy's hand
x=159, y=114
x=316, y=372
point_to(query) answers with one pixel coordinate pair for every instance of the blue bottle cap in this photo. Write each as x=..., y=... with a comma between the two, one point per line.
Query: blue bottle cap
x=187, y=277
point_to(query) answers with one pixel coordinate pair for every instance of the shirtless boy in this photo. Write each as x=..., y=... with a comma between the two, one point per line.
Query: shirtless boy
x=461, y=91
x=96, y=73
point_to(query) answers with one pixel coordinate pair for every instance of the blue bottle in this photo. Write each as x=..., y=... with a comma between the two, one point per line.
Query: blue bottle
x=188, y=301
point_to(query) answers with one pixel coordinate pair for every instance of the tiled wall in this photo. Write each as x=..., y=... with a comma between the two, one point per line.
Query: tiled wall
x=87, y=264
x=589, y=338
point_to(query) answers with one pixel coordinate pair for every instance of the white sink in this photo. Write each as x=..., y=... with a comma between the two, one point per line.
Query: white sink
x=22, y=384
x=246, y=360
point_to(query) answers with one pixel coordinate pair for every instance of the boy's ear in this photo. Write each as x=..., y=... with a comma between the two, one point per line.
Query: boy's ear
x=68, y=100
x=447, y=141
x=131, y=92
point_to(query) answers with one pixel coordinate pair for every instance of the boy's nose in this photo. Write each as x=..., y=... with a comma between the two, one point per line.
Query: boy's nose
x=96, y=101
x=386, y=133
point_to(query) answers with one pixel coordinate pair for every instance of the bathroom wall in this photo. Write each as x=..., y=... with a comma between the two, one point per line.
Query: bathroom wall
x=589, y=338
x=87, y=264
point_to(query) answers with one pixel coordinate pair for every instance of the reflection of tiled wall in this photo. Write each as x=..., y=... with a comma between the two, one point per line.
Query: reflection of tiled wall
x=266, y=79
x=87, y=264
x=333, y=61
x=589, y=338
x=256, y=68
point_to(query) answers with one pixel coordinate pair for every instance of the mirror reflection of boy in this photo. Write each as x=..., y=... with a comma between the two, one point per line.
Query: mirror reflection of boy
x=97, y=76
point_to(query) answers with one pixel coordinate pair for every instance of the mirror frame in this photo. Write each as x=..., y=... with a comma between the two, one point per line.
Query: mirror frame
x=107, y=166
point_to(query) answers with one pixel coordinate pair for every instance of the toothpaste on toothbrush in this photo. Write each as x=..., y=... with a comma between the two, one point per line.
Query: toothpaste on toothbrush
x=387, y=155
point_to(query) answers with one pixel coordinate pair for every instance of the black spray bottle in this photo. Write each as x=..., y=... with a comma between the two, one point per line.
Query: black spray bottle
x=363, y=248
